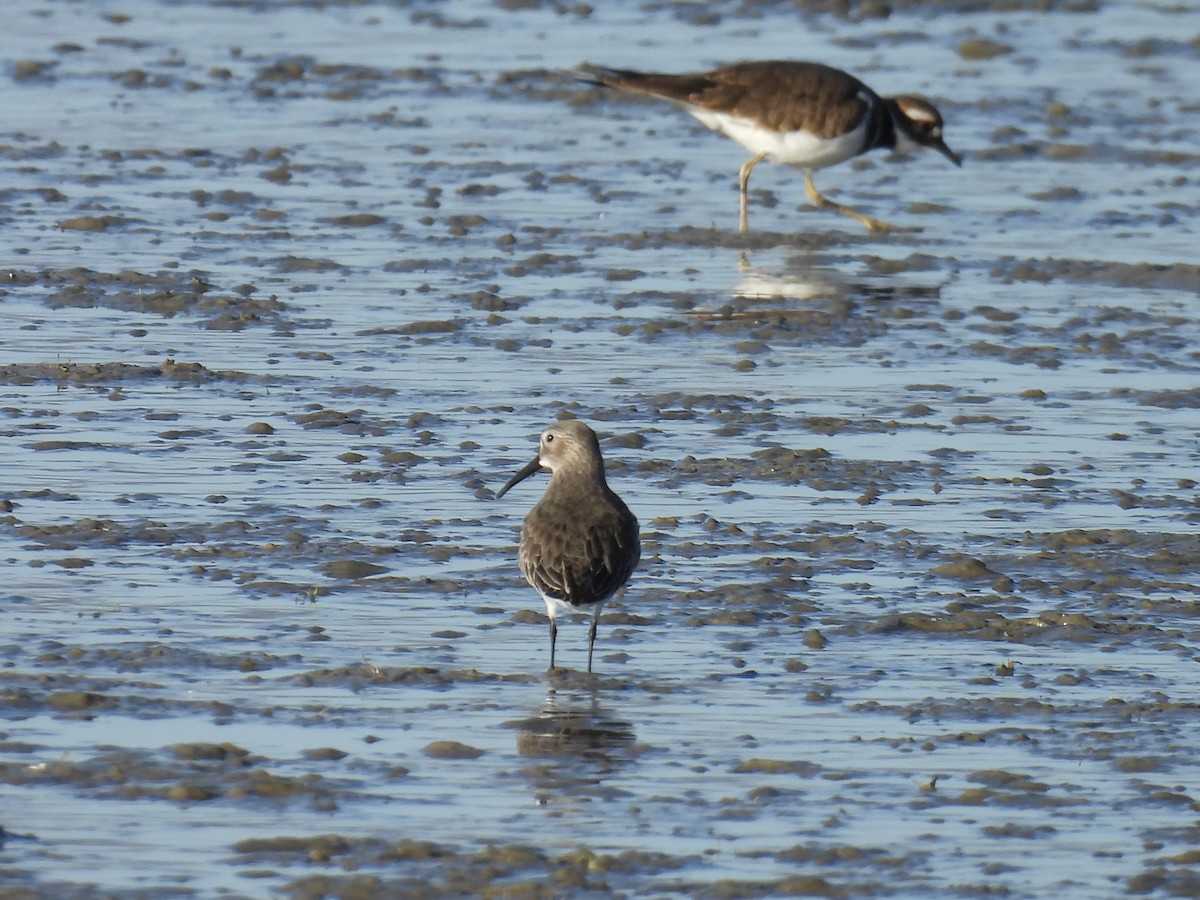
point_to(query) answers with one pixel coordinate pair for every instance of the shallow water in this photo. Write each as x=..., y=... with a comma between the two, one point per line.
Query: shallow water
x=293, y=288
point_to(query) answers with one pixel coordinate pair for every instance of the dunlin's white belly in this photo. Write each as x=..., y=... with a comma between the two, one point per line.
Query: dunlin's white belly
x=554, y=606
x=794, y=148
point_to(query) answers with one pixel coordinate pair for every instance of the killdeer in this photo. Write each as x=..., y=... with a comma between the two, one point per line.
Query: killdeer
x=803, y=114
x=580, y=543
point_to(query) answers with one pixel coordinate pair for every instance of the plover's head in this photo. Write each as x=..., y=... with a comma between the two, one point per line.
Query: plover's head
x=919, y=124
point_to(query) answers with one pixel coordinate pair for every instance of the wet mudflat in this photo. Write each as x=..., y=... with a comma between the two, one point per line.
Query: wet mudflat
x=291, y=290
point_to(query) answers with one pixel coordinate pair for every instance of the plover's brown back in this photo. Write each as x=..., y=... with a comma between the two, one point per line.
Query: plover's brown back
x=803, y=114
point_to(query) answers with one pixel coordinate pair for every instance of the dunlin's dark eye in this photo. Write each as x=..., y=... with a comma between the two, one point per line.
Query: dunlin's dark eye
x=548, y=438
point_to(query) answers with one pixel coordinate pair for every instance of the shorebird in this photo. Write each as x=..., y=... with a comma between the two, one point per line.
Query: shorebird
x=580, y=543
x=802, y=114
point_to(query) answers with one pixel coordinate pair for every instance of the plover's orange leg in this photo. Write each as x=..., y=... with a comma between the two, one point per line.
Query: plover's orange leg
x=743, y=182
x=819, y=199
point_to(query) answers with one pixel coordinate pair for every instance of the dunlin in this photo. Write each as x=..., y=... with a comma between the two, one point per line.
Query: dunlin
x=580, y=543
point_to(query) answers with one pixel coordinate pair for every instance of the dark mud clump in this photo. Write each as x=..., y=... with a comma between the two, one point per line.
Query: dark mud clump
x=164, y=293
x=77, y=373
x=185, y=773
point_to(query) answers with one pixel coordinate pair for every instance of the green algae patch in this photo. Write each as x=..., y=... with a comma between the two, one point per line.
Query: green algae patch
x=452, y=750
x=777, y=767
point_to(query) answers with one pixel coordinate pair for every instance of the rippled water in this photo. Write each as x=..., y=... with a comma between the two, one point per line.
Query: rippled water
x=291, y=290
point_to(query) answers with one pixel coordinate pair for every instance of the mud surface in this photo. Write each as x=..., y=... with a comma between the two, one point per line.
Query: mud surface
x=291, y=288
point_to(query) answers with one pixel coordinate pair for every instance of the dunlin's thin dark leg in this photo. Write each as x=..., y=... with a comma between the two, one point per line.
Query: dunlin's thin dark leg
x=592, y=636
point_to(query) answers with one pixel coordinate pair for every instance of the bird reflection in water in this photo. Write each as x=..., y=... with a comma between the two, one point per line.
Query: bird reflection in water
x=557, y=729
x=797, y=279
x=572, y=748
x=803, y=291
